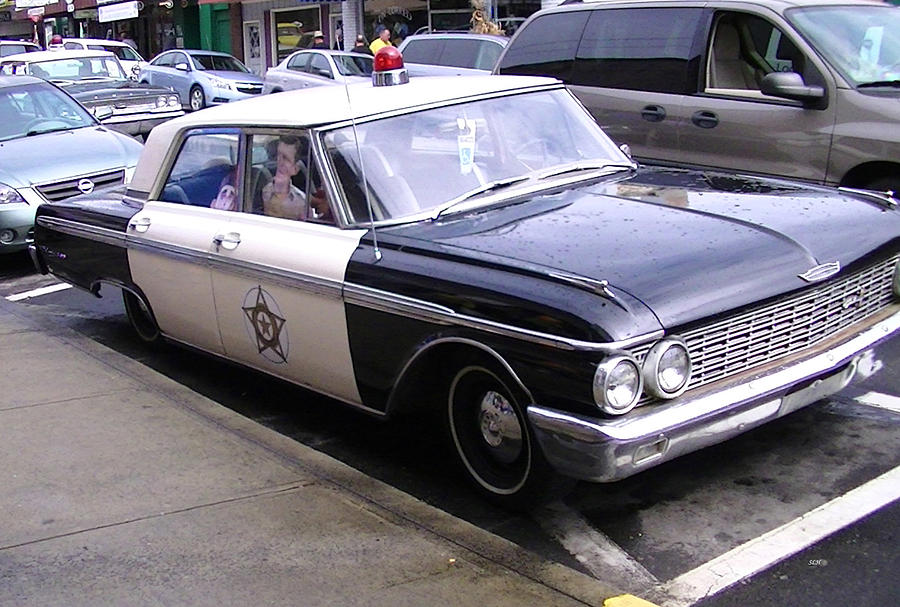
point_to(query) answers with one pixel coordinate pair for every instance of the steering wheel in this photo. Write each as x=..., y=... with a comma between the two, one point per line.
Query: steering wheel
x=533, y=151
x=33, y=123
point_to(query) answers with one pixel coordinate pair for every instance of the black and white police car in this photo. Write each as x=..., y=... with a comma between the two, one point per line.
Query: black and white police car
x=480, y=246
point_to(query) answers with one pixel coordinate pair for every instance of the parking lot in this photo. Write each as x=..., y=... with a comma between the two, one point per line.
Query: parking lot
x=685, y=529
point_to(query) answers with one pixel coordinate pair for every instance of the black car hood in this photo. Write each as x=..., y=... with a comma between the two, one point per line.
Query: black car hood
x=99, y=90
x=689, y=245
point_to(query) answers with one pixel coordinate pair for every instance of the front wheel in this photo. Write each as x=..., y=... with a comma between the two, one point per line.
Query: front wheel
x=196, y=98
x=140, y=317
x=492, y=440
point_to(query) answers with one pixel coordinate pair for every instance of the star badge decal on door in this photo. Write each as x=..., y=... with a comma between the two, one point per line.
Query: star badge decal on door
x=266, y=325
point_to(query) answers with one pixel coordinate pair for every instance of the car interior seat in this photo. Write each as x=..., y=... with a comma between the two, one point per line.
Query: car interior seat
x=727, y=67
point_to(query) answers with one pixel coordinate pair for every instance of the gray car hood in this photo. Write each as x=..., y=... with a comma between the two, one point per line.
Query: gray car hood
x=63, y=155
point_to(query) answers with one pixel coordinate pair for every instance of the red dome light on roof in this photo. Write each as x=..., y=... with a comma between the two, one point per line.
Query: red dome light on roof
x=388, y=58
x=387, y=67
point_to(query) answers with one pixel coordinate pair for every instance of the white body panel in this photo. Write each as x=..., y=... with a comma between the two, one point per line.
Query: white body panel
x=307, y=332
x=178, y=287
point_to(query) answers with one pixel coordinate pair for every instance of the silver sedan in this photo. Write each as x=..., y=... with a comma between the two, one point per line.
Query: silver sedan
x=312, y=67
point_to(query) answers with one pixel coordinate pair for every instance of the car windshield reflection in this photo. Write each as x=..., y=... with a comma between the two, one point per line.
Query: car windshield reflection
x=417, y=165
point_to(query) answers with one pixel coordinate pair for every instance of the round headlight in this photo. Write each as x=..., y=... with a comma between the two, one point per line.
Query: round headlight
x=617, y=384
x=667, y=368
x=897, y=279
x=174, y=100
x=161, y=101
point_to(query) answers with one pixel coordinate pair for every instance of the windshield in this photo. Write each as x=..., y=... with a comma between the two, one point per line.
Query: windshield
x=36, y=108
x=419, y=162
x=219, y=63
x=72, y=69
x=861, y=42
x=352, y=65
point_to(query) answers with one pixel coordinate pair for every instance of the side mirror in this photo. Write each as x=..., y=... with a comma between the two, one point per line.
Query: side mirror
x=182, y=67
x=790, y=85
x=103, y=112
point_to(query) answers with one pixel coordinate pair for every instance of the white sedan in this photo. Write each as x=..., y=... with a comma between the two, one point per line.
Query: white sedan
x=311, y=67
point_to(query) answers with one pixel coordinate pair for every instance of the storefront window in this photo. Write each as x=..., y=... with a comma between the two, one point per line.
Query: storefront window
x=294, y=30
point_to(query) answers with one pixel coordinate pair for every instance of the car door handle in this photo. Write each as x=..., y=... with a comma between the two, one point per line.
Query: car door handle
x=653, y=113
x=139, y=225
x=228, y=241
x=704, y=119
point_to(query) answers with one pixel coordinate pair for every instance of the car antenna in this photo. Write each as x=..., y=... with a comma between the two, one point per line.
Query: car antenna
x=362, y=170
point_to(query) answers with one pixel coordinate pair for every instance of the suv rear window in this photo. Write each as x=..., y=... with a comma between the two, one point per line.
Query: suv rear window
x=546, y=47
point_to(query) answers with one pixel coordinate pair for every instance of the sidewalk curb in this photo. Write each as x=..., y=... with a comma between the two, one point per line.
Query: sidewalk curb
x=471, y=542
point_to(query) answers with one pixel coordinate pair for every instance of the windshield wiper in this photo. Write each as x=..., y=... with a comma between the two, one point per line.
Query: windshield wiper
x=879, y=83
x=583, y=165
x=487, y=187
x=34, y=132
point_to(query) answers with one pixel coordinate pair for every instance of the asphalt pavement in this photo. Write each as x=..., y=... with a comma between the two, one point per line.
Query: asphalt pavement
x=122, y=487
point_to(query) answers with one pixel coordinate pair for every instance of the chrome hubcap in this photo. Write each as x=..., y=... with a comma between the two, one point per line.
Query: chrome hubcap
x=500, y=427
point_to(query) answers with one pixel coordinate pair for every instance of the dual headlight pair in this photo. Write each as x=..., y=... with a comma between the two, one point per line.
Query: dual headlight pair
x=168, y=100
x=620, y=379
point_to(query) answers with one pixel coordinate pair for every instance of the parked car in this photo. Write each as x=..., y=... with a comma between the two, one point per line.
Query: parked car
x=317, y=68
x=130, y=59
x=476, y=247
x=202, y=78
x=98, y=81
x=804, y=90
x=51, y=148
x=14, y=47
x=451, y=53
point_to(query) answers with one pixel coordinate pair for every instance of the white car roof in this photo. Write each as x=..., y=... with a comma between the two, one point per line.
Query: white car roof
x=325, y=105
x=56, y=55
x=96, y=41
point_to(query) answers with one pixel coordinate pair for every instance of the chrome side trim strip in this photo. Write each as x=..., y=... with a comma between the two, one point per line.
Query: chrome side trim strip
x=607, y=448
x=360, y=295
x=422, y=310
x=74, y=228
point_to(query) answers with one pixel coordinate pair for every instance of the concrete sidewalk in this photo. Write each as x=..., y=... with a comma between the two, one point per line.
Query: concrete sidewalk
x=119, y=486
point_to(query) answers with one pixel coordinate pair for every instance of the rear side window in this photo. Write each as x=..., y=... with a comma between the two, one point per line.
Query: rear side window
x=640, y=49
x=469, y=53
x=546, y=47
x=423, y=51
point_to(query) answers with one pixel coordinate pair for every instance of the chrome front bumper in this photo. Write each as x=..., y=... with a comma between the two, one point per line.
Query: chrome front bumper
x=604, y=450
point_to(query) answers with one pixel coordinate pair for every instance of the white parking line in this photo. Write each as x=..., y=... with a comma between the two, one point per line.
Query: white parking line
x=38, y=292
x=877, y=399
x=602, y=557
x=763, y=552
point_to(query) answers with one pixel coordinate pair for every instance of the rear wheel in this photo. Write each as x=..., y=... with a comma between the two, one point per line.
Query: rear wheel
x=489, y=431
x=196, y=98
x=141, y=317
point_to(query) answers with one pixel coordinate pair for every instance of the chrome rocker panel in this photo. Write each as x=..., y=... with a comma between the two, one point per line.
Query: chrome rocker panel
x=604, y=450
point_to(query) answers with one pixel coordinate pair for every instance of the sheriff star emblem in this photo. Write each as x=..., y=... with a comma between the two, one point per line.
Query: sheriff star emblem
x=266, y=325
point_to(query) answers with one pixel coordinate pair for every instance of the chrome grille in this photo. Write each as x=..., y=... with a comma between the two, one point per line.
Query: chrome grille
x=60, y=190
x=766, y=334
x=251, y=89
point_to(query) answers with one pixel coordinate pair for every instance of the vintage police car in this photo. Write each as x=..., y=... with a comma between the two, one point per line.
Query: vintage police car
x=478, y=245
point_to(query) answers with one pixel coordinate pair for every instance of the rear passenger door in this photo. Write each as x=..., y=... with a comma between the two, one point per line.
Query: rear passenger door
x=172, y=239
x=633, y=69
x=734, y=126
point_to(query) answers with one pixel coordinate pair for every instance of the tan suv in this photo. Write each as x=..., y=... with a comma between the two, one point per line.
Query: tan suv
x=808, y=90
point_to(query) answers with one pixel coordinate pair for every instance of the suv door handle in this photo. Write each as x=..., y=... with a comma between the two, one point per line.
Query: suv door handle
x=704, y=119
x=228, y=241
x=653, y=113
